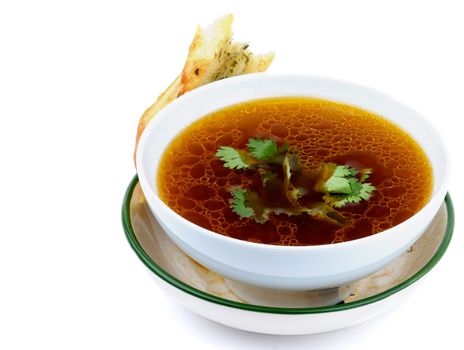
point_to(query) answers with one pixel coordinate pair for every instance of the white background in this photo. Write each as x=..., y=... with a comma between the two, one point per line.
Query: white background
x=74, y=79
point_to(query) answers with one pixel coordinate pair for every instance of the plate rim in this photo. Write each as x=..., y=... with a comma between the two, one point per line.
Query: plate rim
x=166, y=277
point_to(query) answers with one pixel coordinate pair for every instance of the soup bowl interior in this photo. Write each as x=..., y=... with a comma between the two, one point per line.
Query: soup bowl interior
x=286, y=267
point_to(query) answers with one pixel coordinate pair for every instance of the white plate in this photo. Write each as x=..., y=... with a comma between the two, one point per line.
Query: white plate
x=206, y=293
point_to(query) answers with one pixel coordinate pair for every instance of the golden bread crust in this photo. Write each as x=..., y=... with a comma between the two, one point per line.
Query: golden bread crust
x=212, y=56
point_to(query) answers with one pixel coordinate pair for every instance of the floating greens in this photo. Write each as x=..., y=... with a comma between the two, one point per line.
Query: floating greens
x=339, y=185
x=342, y=185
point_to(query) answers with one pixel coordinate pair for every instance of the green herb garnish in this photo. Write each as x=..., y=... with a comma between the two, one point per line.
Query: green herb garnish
x=260, y=153
x=262, y=149
x=238, y=204
x=232, y=158
x=342, y=184
x=246, y=204
x=338, y=185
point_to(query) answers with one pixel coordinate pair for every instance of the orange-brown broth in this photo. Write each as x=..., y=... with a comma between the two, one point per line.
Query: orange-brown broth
x=194, y=183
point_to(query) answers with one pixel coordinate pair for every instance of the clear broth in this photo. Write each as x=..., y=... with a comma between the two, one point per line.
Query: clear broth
x=195, y=184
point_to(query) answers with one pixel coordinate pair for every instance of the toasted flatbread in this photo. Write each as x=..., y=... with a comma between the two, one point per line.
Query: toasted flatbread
x=212, y=56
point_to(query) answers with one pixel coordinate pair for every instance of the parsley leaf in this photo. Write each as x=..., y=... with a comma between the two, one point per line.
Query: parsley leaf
x=344, y=171
x=338, y=185
x=262, y=149
x=238, y=204
x=247, y=204
x=277, y=166
x=366, y=191
x=343, y=186
x=338, y=201
x=260, y=211
x=232, y=158
x=261, y=153
x=340, y=181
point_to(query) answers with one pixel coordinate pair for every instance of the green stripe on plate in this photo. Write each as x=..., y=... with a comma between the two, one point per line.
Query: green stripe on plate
x=158, y=270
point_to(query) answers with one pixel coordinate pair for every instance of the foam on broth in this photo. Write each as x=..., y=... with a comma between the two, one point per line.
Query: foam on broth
x=194, y=183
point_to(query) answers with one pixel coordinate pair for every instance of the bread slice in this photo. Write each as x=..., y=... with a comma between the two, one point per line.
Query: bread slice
x=212, y=56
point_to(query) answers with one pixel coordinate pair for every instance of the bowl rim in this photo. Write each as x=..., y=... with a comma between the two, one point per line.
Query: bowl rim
x=170, y=279
x=440, y=192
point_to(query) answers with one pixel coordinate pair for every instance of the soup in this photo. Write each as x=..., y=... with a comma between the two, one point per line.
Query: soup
x=197, y=184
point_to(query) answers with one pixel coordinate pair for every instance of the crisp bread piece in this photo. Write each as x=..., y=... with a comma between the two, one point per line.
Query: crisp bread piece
x=212, y=56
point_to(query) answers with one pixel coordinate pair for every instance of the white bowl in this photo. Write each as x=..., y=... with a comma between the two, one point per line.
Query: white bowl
x=286, y=267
